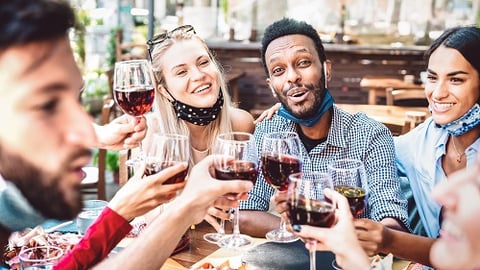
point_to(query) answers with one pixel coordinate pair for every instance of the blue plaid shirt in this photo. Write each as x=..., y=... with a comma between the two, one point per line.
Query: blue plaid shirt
x=353, y=136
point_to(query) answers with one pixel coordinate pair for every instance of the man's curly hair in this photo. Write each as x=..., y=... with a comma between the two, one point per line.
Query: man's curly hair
x=288, y=26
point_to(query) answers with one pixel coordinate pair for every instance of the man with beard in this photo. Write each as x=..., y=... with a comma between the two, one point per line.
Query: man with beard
x=46, y=139
x=298, y=71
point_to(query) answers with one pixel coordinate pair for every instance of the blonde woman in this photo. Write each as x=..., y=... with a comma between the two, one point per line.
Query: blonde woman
x=191, y=96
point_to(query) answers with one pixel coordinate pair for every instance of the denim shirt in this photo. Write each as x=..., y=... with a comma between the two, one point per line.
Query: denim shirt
x=419, y=157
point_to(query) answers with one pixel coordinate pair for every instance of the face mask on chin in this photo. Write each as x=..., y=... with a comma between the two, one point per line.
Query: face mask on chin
x=195, y=115
x=464, y=124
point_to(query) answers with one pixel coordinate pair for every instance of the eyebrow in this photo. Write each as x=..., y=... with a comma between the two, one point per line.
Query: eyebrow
x=302, y=50
x=449, y=74
x=184, y=64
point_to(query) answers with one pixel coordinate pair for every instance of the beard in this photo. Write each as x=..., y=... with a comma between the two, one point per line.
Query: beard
x=303, y=111
x=42, y=190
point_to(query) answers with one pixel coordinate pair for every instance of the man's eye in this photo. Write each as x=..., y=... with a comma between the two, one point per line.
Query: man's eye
x=277, y=70
x=49, y=106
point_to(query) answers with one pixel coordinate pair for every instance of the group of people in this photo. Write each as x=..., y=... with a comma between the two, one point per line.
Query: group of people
x=49, y=137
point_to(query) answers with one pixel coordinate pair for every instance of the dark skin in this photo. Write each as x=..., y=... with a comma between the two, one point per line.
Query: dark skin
x=296, y=79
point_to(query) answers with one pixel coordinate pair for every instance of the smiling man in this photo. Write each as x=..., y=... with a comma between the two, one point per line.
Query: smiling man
x=297, y=73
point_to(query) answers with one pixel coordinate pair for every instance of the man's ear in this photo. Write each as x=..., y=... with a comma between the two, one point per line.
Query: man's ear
x=269, y=83
x=327, y=69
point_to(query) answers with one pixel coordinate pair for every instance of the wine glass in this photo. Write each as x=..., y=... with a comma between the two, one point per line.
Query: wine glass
x=236, y=159
x=307, y=204
x=133, y=91
x=167, y=150
x=350, y=179
x=280, y=158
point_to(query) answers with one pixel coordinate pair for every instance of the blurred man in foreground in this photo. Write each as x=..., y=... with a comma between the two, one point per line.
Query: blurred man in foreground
x=46, y=136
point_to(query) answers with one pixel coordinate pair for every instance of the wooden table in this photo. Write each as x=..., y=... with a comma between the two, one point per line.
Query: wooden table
x=387, y=114
x=200, y=252
x=377, y=86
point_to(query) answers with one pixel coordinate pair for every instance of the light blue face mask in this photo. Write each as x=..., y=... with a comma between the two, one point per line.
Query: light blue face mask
x=465, y=123
x=326, y=104
x=16, y=213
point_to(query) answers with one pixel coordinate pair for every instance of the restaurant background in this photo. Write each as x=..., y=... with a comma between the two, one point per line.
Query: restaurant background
x=362, y=38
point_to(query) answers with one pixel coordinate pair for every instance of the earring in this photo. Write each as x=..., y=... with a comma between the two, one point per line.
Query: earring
x=325, y=73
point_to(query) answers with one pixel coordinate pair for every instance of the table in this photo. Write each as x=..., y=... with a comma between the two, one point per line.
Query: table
x=377, y=86
x=201, y=252
x=387, y=114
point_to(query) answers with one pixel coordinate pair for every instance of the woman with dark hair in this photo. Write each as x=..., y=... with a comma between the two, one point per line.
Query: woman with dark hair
x=443, y=144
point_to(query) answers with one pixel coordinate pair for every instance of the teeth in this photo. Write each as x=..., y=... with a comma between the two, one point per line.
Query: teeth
x=443, y=105
x=451, y=229
x=201, y=89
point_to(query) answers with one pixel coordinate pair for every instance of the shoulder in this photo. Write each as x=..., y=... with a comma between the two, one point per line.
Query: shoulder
x=242, y=120
x=358, y=121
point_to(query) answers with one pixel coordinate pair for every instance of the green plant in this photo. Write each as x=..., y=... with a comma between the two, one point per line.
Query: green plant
x=112, y=160
x=113, y=163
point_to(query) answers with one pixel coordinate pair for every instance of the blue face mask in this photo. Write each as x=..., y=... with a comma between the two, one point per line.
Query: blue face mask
x=464, y=124
x=326, y=104
x=16, y=213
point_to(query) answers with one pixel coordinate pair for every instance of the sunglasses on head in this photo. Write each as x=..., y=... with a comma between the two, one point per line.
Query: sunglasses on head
x=164, y=36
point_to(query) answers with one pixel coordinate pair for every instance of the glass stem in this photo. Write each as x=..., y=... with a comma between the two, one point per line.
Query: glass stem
x=312, y=251
x=236, y=221
x=222, y=226
x=283, y=225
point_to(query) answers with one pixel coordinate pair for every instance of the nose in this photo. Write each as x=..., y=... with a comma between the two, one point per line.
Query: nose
x=293, y=76
x=196, y=74
x=440, y=90
x=79, y=128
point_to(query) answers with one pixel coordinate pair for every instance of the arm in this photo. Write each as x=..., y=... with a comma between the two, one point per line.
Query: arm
x=242, y=121
x=138, y=196
x=268, y=113
x=401, y=244
x=386, y=203
x=188, y=208
x=124, y=132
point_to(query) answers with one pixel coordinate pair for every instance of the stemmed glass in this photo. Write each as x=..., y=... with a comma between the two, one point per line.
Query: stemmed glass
x=167, y=150
x=307, y=204
x=236, y=159
x=350, y=179
x=280, y=158
x=133, y=91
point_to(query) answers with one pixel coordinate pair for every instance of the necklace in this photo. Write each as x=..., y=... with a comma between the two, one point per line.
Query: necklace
x=459, y=156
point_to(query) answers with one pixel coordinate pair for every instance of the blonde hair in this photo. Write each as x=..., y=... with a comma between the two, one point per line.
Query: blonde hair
x=164, y=116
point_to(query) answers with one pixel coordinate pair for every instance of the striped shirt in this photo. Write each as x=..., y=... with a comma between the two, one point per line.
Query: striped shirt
x=353, y=136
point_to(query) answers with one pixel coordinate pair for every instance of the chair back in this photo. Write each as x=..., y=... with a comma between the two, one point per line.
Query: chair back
x=406, y=97
x=98, y=187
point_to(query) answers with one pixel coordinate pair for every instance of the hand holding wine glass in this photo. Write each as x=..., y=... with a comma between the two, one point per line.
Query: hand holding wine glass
x=350, y=179
x=280, y=158
x=307, y=204
x=236, y=159
x=167, y=150
x=133, y=90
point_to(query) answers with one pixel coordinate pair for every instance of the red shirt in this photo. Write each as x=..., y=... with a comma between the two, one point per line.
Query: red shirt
x=99, y=239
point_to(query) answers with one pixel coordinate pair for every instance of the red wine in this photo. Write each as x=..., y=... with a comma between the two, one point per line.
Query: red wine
x=355, y=197
x=318, y=213
x=276, y=169
x=238, y=170
x=135, y=101
x=155, y=167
